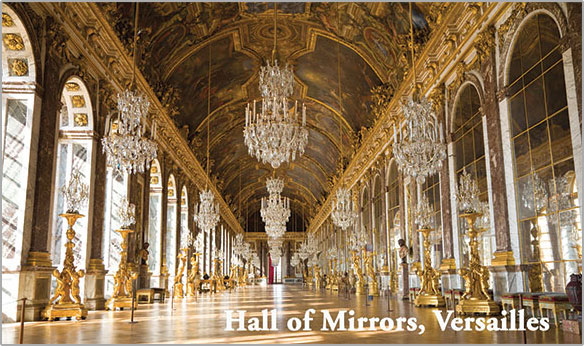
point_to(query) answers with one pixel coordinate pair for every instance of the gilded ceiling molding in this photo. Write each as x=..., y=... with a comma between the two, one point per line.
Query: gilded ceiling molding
x=107, y=52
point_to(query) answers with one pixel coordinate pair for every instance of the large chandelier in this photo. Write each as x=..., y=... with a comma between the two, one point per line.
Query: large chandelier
x=342, y=212
x=275, y=209
x=125, y=146
x=275, y=134
x=419, y=147
x=207, y=212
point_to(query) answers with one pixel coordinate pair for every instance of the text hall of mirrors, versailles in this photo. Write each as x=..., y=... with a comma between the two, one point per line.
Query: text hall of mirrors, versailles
x=167, y=162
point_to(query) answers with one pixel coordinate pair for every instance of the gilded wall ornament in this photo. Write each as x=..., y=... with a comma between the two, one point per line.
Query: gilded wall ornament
x=80, y=119
x=18, y=67
x=70, y=86
x=7, y=20
x=484, y=42
x=78, y=101
x=13, y=41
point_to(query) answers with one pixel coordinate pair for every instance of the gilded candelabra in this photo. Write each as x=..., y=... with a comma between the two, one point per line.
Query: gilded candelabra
x=476, y=298
x=122, y=296
x=192, y=278
x=178, y=284
x=66, y=302
x=317, y=277
x=359, y=285
x=430, y=294
x=373, y=284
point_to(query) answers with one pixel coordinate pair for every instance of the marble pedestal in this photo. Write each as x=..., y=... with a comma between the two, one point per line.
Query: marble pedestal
x=405, y=277
x=144, y=277
x=95, y=285
x=35, y=285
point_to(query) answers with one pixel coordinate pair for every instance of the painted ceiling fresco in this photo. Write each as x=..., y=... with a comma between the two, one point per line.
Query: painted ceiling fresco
x=174, y=51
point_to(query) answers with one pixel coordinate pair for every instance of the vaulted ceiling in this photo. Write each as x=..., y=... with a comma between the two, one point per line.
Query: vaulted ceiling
x=177, y=38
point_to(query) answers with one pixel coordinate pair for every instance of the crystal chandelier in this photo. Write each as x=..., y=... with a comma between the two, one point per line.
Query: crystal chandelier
x=276, y=134
x=468, y=194
x=419, y=143
x=342, y=212
x=125, y=146
x=535, y=195
x=357, y=240
x=424, y=214
x=75, y=193
x=419, y=147
x=207, y=212
x=126, y=213
x=275, y=209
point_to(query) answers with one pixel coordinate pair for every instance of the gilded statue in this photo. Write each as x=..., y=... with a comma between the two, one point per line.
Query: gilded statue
x=178, y=285
x=359, y=284
x=122, y=295
x=192, y=278
x=374, y=285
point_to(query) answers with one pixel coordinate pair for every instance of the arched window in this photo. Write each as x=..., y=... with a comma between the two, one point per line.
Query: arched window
x=379, y=229
x=469, y=156
x=155, y=222
x=74, y=153
x=115, y=191
x=171, y=231
x=366, y=207
x=542, y=149
x=184, y=213
x=393, y=205
x=431, y=188
x=18, y=106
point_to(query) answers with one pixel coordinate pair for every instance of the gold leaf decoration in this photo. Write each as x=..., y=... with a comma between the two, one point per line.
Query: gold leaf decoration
x=7, y=20
x=71, y=86
x=18, y=67
x=78, y=101
x=13, y=41
x=80, y=119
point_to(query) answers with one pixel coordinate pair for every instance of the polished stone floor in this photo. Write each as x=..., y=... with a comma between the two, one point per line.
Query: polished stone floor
x=203, y=321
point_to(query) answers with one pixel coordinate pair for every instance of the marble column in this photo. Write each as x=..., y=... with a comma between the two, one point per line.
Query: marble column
x=448, y=265
x=503, y=264
x=95, y=275
x=164, y=270
x=35, y=275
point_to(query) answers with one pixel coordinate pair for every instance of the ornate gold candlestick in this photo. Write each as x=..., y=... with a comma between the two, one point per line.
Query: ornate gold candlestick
x=430, y=294
x=67, y=291
x=192, y=277
x=122, y=296
x=360, y=284
x=476, y=297
x=178, y=285
x=373, y=284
